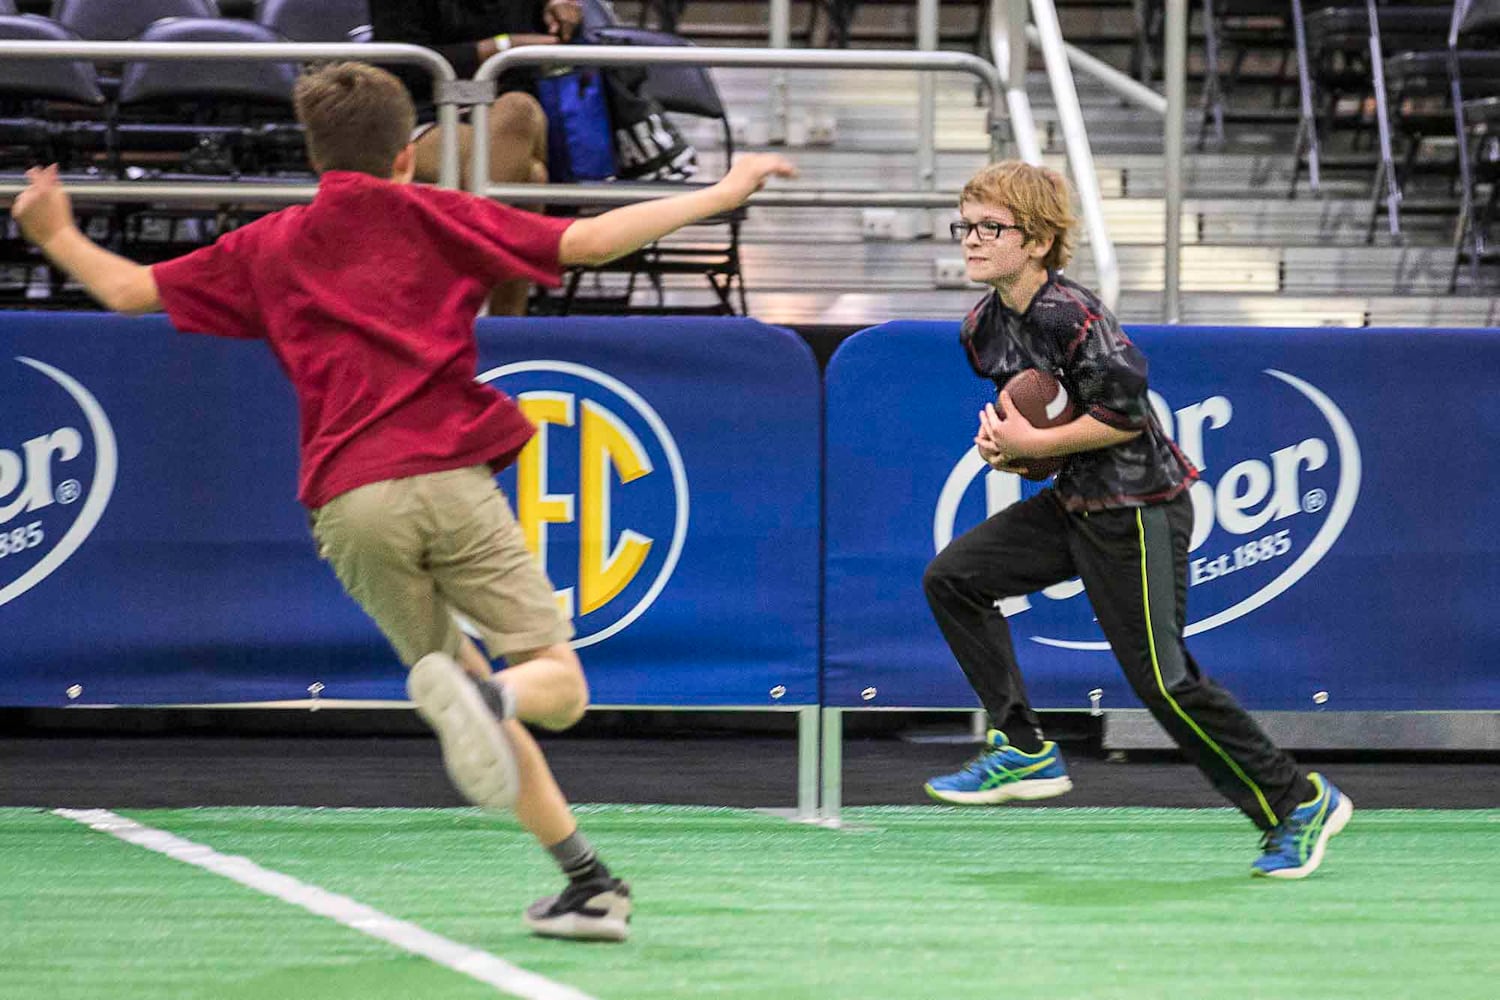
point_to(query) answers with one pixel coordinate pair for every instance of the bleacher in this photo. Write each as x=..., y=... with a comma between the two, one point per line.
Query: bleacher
x=1260, y=246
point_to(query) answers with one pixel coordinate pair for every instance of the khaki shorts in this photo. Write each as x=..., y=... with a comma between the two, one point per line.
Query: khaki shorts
x=414, y=551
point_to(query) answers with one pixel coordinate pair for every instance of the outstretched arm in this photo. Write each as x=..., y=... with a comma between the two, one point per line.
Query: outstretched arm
x=602, y=238
x=45, y=215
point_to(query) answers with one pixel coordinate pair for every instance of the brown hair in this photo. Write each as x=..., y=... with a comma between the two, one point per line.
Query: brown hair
x=357, y=117
x=1038, y=197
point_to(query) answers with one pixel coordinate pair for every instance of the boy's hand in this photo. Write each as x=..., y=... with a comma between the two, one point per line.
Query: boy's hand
x=1010, y=432
x=563, y=18
x=43, y=210
x=751, y=171
x=993, y=456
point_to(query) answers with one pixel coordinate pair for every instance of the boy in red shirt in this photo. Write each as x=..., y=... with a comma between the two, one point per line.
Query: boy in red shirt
x=368, y=297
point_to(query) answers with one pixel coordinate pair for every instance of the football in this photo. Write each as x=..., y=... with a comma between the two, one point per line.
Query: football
x=1044, y=402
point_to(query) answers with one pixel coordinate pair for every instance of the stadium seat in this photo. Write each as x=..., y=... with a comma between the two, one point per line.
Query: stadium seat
x=116, y=20
x=313, y=20
x=1335, y=68
x=686, y=90
x=33, y=127
x=186, y=107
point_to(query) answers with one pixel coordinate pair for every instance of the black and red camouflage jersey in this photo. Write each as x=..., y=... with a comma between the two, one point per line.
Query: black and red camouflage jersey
x=1067, y=331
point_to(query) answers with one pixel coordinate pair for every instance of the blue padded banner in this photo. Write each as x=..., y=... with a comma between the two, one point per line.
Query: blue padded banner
x=1346, y=551
x=153, y=551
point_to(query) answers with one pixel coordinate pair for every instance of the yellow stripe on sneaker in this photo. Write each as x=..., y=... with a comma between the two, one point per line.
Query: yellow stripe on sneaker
x=1162, y=687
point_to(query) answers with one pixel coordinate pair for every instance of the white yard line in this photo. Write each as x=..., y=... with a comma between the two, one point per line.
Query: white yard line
x=471, y=962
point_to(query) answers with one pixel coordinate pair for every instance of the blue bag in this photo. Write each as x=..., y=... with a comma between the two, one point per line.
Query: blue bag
x=580, y=142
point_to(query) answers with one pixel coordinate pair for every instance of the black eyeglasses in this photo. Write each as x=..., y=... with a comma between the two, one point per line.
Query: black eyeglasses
x=988, y=230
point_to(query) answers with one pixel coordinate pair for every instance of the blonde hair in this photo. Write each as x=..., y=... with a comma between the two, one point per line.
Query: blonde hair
x=1038, y=197
x=356, y=117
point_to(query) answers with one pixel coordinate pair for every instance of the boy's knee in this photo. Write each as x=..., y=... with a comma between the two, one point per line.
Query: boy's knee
x=937, y=578
x=578, y=690
x=517, y=114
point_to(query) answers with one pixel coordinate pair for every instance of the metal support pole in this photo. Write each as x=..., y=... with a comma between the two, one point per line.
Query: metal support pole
x=1387, y=171
x=1174, y=67
x=833, y=766
x=1308, y=115
x=1080, y=157
x=1008, y=44
x=1119, y=83
x=779, y=111
x=807, y=762
x=927, y=41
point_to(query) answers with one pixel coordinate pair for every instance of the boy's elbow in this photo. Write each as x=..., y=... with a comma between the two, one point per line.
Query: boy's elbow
x=582, y=246
x=135, y=295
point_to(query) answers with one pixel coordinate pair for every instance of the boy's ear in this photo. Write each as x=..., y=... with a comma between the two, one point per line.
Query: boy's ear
x=405, y=166
x=1041, y=248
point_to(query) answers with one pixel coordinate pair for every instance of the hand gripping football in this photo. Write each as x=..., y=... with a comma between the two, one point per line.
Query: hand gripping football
x=1044, y=402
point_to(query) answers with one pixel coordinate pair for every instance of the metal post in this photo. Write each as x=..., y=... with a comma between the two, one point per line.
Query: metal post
x=1119, y=83
x=1008, y=44
x=807, y=762
x=927, y=41
x=1309, y=122
x=1383, y=115
x=833, y=765
x=1080, y=157
x=780, y=16
x=1174, y=67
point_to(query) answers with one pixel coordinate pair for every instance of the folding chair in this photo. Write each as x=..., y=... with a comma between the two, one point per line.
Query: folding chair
x=686, y=90
x=1244, y=25
x=1475, y=84
x=1419, y=97
x=1335, y=48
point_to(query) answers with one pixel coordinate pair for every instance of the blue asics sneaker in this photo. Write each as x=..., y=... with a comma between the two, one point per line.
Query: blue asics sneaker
x=1001, y=773
x=1294, y=847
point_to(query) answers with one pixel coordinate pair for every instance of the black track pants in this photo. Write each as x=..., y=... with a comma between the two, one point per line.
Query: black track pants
x=1133, y=563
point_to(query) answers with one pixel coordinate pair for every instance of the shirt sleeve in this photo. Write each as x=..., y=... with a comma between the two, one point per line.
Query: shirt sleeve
x=512, y=243
x=210, y=291
x=1109, y=373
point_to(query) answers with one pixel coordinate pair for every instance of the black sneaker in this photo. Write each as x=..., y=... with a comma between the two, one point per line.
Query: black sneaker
x=585, y=911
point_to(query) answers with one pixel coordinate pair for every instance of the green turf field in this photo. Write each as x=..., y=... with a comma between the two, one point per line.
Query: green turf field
x=922, y=903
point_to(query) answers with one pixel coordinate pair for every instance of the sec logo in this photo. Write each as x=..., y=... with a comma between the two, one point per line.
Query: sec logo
x=600, y=492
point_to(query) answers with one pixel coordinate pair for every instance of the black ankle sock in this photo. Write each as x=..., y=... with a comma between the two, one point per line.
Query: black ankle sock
x=497, y=697
x=1027, y=739
x=576, y=857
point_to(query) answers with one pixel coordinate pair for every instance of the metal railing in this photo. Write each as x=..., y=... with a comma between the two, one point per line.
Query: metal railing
x=1005, y=84
x=632, y=55
x=374, y=52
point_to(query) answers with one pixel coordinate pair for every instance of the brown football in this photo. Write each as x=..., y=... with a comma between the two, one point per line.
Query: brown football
x=1044, y=402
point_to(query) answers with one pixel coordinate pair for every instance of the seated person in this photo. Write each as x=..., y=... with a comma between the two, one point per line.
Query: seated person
x=466, y=34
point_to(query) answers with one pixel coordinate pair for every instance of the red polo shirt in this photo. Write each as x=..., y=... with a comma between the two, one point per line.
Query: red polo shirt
x=367, y=296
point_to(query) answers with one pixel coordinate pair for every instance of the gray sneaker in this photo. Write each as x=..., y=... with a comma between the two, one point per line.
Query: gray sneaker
x=584, y=911
x=476, y=751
